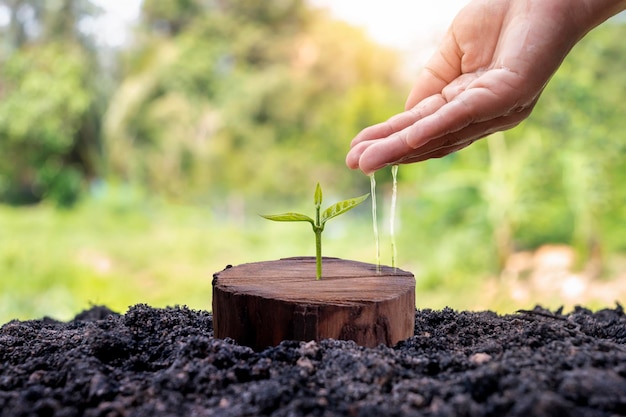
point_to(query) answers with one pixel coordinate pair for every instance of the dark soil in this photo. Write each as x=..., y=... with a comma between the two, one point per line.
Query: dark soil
x=166, y=362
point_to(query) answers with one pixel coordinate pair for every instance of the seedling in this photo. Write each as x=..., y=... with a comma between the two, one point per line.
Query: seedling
x=320, y=220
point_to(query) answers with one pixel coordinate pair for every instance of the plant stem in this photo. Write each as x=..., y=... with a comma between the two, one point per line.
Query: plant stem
x=318, y=228
x=318, y=253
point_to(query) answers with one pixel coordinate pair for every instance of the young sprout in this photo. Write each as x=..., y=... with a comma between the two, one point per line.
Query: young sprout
x=320, y=220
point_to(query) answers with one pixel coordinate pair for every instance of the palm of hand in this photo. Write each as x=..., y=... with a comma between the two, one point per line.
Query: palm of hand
x=486, y=77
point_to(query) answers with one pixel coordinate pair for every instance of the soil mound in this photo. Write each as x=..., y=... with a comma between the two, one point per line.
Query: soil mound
x=165, y=362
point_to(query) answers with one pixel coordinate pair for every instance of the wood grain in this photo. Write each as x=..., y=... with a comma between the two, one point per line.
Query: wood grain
x=261, y=304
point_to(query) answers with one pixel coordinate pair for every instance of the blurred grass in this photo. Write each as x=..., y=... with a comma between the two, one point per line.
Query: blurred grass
x=57, y=262
x=124, y=249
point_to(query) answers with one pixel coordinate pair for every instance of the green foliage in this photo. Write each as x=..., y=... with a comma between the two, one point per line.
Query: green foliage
x=121, y=246
x=241, y=92
x=289, y=217
x=50, y=101
x=233, y=106
x=44, y=101
x=577, y=168
x=320, y=219
x=330, y=212
x=169, y=15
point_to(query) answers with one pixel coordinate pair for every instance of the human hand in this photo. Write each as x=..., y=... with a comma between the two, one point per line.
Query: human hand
x=487, y=76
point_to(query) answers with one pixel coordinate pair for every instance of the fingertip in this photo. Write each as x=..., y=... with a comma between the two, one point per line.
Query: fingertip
x=361, y=157
x=369, y=171
x=351, y=162
x=370, y=161
x=354, y=155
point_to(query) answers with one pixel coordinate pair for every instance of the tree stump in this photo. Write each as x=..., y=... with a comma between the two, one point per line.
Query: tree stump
x=261, y=304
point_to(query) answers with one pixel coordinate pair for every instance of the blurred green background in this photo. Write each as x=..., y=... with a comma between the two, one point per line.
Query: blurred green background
x=131, y=174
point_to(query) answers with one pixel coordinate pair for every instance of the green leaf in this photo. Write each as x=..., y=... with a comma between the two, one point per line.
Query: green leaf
x=318, y=196
x=288, y=217
x=341, y=207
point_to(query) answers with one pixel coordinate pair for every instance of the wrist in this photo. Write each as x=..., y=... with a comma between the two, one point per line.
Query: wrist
x=591, y=13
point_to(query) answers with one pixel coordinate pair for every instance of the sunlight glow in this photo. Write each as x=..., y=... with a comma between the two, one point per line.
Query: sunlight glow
x=413, y=27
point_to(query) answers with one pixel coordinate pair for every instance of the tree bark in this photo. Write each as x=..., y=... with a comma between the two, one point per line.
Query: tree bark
x=261, y=304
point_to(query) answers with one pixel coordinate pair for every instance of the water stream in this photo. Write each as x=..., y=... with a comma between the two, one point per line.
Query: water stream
x=375, y=219
x=392, y=217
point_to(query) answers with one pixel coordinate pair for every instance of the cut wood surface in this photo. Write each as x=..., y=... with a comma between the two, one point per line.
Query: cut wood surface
x=261, y=304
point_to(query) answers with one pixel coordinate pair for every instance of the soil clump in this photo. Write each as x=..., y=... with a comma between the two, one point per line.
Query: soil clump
x=165, y=362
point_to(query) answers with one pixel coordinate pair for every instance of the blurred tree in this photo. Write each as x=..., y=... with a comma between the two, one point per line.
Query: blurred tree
x=580, y=165
x=49, y=100
x=239, y=98
x=43, y=101
x=170, y=17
